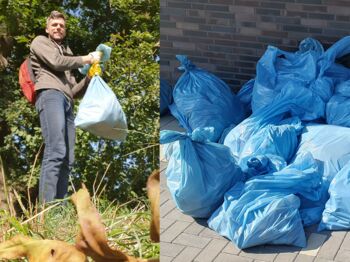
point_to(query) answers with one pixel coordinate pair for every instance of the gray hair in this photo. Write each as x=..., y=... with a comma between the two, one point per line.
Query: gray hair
x=55, y=15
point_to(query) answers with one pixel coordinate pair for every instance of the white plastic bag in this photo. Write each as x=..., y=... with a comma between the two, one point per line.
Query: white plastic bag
x=100, y=112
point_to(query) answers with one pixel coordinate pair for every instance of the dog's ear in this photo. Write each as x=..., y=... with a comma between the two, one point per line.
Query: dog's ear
x=40, y=250
x=92, y=238
x=153, y=192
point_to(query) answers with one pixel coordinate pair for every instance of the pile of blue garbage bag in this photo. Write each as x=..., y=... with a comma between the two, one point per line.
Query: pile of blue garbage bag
x=263, y=164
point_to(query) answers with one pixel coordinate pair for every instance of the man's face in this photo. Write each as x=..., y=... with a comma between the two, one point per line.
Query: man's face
x=56, y=29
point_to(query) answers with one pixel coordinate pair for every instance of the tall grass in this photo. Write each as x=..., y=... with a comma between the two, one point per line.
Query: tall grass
x=127, y=225
x=127, y=228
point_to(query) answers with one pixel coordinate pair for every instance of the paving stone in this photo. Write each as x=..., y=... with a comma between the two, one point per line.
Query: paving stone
x=330, y=248
x=223, y=257
x=164, y=196
x=165, y=223
x=343, y=255
x=165, y=259
x=231, y=249
x=194, y=228
x=285, y=257
x=162, y=166
x=211, y=251
x=314, y=244
x=191, y=240
x=170, y=249
x=188, y=254
x=346, y=242
x=162, y=158
x=166, y=208
x=304, y=258
x=173, y=231
x=258, y=252
x=177, y=215
x=318, y=259
x=281, y=249
x=207, y=232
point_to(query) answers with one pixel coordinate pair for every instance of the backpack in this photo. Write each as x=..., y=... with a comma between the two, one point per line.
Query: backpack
x=27, y=80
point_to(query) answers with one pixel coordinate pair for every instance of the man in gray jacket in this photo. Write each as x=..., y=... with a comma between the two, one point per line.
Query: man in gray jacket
x=55, y=89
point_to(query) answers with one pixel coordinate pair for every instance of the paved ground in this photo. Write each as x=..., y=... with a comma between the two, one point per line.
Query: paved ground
x=186, y=239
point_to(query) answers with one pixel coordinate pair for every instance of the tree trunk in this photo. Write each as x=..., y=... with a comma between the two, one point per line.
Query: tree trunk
x=3, y=191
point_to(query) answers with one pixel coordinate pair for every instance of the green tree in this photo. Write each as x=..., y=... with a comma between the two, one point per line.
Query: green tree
x=131, y=28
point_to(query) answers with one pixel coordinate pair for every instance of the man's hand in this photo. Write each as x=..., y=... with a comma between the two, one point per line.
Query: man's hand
x=96, y=56
x=93, y=57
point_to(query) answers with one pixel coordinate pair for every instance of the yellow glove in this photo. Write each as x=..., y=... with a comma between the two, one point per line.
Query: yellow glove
x=95, y=69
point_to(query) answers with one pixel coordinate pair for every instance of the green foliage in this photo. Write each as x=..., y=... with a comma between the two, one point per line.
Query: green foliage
x=131, y=28
x=127, y=226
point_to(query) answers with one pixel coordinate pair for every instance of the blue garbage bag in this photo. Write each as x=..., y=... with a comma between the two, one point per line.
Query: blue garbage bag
x=204, y=100
x=337, y=210
x=100, y=113
x=291, y=101
x=310, y=44
x=302, y=177
x=198, y=173
x=265, y=209
x=271, y=147
x=257, y=217
x=301, y=69
x=338, y=106
x=245, y=94
x=330, y=145
x=166, y=96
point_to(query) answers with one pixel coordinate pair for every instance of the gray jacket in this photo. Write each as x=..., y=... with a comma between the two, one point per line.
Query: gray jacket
x=52, y=63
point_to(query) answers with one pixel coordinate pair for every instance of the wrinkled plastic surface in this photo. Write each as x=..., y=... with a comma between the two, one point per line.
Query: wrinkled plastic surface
x=338, y=112
x=265, y=210
x=100, y=112
x=337, y=211
x=166, y=96
x=245, y=94
x=301, y=69
x=259, y=217
x=198, y=174
x=204, y=100
x=290, y=101
x=330, y=145
x=271, y=147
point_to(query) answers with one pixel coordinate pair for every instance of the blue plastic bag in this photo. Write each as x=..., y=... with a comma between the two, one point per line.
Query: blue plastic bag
x=198, y=174
x=271, y=147
x=299, y=70
x=204, y=100
x=100, y=112
x=265, y=210
x=336, y=215
x=302, y=177
x=330, y=145
x=245, y=94
x=259, y=217
x=290, y=101
x=338, y=106
x=165, y=96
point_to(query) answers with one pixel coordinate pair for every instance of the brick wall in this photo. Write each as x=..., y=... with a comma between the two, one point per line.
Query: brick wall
x=227, y=37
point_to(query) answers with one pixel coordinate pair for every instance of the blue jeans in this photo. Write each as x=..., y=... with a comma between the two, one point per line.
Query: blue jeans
x=57, y=127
